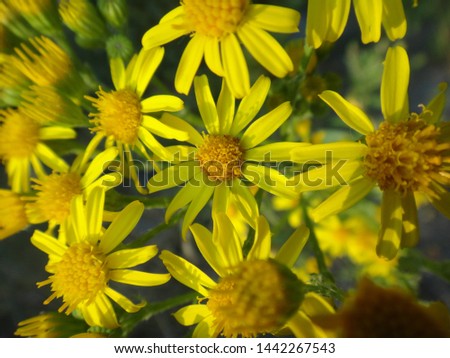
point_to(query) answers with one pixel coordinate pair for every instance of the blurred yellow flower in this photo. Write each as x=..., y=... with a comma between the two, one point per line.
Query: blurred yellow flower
x=12, y=214
x=83, y=261
x=408, y=153
x=253, y=295
x=326, y=20
x=217, y=29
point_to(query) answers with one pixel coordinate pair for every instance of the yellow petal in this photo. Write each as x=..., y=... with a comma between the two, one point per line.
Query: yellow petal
x=437, y=104
x=143, y=69
x=225, y=108
x=441, y=199
x=206, y=328
x=212, y=56
x=130, y=257
x=268, y=17
x=353, y=116
x=269, y=179
x=100, y=162
x=262, y=243
x=394, y=85
x=165, y=32
x=117, y=72
x=235, y=66
x=192, y=314
x=195, y=137
x=173, y=176
x=220, y=200
x=368, y=14
x=79, y=220
x=227, y=238
x=48, y=244
x=121, y=226
x=410, y=234
x=94, y=213
x=138, y=278
x=123, y=302
x=209, y=250
x=342, y=199
x=149, y=141
x=251, y=104
x=161, y=103
x=264, y=126
x=337, y=15
x=391, y=224
x=206, y=104
x=189, y=63
x=301, y=326
x=49, y=133
x=50, y=158
x=163, y=130
x=266, y=50
x=329, y=152
x=273, y=152
x=186, y=273
x=394, y=20
x=290, y=251
x=100, y=313
x=245, y=202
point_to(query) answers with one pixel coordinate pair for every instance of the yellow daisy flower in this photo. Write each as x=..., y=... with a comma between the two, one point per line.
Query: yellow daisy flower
x=216, y=31
x=392, y=313
x=408, y=153
x=218, y=163
x=84, y=261
x=253, y=295
x=326, y=20
x=123, y=117
x=22, y=147
x=55, y=191
x=12, y=214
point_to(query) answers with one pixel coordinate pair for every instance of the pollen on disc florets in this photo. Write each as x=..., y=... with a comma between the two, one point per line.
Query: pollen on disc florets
x=54, y=195
x=405, y=156
x=215, y=18
x=119, y=114
x=259, y=297
x=220, y=156
x=78, y=277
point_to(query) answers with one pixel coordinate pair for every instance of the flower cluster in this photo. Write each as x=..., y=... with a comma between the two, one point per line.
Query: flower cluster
x=216, y=117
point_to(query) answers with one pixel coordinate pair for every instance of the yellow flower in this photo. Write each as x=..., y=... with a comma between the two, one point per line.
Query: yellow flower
x=123, y=117
x=326, y=20
x=55, y=191
x=12, y=214
x=253, y=295
x=218, y=163
x=407, y=154
x=22, y=147
x=51, y=325
x=216, y=32
x=378, y=312
x=83, y=261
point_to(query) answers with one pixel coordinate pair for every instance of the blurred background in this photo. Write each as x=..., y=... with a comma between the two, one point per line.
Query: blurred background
x=348, y=66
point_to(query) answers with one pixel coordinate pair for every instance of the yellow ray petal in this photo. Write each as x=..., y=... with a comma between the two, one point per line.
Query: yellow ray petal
x=206, y=104
x=391, y=224
x=337, y=16
x=192, y=314
x=195, y=137
x=121, y=227
x=94, y=213
x=98, y=165
x=290, y=251
x=227, y=238
x=264, y=126
x=269, y=179
x=220, y=200
x=245, y=202
x=368, y=14
x=410, y=234
x=130, y=257
x=353, y=116
x=437, y=104
x=173, y=176
x=79, y=220
x=212, y=56
x=301, y=326
x=273, y=152
x=48, y=244
x=149, y=141
x=147, y=63
x=189, y=63
x=161, y=102
x=329, y=152
x=205, y=328
x=441, y=200
x=186, y=273
x=139, y=278
x=163, y=130
x=117, y=72
x=165, y=32
x=262, y=244
x=235, y=66
x=394, y=20
x=100, y=313
x=124, y=302
x=266, y=50
x=251, y=104
x=225, y=108
x=50, y=158
x=268, y=17
x=342, y=199
x=394, y=85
